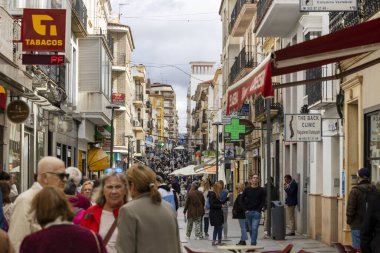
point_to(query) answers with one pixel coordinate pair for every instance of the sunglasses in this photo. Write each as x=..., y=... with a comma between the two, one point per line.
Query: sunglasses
x=116, y=170
x=61, y=176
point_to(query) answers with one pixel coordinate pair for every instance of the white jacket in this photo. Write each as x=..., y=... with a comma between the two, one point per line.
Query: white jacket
x=22, y=222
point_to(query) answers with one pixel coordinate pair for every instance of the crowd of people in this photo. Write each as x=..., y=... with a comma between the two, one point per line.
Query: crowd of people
x=169, y=160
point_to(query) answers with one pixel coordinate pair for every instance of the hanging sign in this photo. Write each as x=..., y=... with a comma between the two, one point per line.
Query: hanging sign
x=303, y=127
x=18, y=111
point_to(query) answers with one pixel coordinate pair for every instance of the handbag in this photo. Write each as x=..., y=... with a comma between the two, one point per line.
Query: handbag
x=97, y=241
x=110, y=232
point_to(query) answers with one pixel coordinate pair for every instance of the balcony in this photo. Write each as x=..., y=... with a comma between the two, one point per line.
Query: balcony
x=93, y=107
x=119, y=62
x=241, y=17
x=276, y=18
x=320, y=95
x=79, y=19
x=242, y=66
x=139, y=100
x=260, y=109
x=138, y=125
x=340, y=20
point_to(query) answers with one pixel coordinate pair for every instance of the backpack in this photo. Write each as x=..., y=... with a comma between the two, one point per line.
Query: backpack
x=366, y=193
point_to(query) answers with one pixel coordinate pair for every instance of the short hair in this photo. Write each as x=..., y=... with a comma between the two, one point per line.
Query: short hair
x=75, y=175
x=144, y=180
x=5, y=176
x=101, y=200
x=287, y=176
x=5, y=189
x=49, y=204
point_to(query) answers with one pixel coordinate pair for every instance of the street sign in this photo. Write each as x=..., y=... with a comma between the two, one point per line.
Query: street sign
x=328, y=5
x=303, y=127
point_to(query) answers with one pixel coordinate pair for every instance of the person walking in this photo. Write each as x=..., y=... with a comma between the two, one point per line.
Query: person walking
x=253, y=200
x=238, y=212
x=146, y=224
x=206, y=220
x=102, y=218
x=194, y=207
x=370, y=229
x=356, y=204
x=291, y=201
x=54, y=214
x=224, y=195
x=216, y=213
x=51, y=172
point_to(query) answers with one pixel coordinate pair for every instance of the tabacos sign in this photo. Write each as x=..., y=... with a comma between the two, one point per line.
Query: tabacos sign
x=43, y=30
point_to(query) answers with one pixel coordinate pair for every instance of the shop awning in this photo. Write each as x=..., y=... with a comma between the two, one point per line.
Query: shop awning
x=207, y=170
x=257, y=82
x=98, y=159
x=333, y=47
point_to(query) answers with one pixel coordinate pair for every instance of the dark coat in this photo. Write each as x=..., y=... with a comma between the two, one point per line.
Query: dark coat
x=65, y=238
x=370, y=230
x=292, y=194
x=238, y=211
x=194, y=205
x=216, y=213
x=356, y=202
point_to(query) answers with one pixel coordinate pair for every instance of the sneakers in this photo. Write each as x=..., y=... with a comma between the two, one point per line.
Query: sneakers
x=199, y=238
x=291, y=234
x=241, y=243
x=213, y=243
x=206, y=235
x=220, y=243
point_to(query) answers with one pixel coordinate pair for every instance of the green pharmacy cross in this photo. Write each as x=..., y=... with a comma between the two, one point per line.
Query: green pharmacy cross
x=235, y=129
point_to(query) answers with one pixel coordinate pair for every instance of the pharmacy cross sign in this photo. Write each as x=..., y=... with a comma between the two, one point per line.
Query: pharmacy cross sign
x=235, y=129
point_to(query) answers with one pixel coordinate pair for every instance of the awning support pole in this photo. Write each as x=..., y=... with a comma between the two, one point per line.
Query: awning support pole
x=268, y=190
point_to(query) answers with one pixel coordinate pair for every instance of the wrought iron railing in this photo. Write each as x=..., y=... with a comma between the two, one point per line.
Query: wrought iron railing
x=81, y=12
x=139, y=97
x=260, y=106
x=318, y=91
x=262, y=8
x=366, y=9
x=120, y=59
x=243, y=60
x=55, y=73
x=236, y=11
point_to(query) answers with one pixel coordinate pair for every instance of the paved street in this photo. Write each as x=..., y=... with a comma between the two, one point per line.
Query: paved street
x=299, y=241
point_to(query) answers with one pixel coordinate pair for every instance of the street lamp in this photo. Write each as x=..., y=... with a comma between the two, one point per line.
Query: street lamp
x=217, y=124
x=129, y=150
x=112, y=107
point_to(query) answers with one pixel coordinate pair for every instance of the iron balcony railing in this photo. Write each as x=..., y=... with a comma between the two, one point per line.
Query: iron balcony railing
x=236, y=11
x=55, y=73
x=243, y=60
x=366, y=9
x=120, y=59
x=81, y=11
x=262, y=8
x=260, y=106
x=139, y=97
x=318, y=91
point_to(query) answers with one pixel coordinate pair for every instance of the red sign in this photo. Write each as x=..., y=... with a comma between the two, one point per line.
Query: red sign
x=40, y=59
x=43, y=30
x=258, y=82
x=118, y=98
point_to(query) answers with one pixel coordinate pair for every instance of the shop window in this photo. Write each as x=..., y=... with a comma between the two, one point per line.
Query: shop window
x=372, y=144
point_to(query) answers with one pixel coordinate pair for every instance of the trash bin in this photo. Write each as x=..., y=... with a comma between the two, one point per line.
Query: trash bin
x=278, y=220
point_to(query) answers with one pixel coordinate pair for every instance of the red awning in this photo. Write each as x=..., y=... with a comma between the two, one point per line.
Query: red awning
x=257, y=82
x=333, y=47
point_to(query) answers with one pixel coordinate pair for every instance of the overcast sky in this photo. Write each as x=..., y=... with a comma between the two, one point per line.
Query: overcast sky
x=172, y=32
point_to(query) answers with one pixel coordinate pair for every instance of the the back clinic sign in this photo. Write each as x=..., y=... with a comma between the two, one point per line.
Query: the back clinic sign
x=44, y=30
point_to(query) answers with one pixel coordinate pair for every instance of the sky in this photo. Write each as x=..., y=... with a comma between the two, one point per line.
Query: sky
x=174, y=33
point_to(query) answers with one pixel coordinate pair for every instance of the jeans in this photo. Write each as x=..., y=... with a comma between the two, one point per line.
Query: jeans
x=206, y=224
x=355, y=235
x=243, y=230
x=253, y=218
x=217, y=232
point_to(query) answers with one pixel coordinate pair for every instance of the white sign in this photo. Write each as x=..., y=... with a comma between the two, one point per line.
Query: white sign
x=328, y=5
x=303, y=127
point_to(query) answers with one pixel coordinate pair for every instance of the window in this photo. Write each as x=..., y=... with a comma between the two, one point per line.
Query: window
x=372, y=145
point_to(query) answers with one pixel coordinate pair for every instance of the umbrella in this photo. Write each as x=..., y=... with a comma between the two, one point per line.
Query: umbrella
x=179, y=148
x=98, y=159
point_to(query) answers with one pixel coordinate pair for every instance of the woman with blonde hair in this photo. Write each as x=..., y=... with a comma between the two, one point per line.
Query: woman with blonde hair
x=102, y=217
x=146, y=224
x=216, y=213
x=54, y=214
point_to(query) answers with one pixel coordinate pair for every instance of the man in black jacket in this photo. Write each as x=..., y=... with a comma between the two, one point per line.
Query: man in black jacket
x=253, y=200
x=291, y=201
x=370, y=230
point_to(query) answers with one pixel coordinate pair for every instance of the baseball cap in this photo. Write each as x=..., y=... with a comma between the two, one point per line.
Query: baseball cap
x=364, y=173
